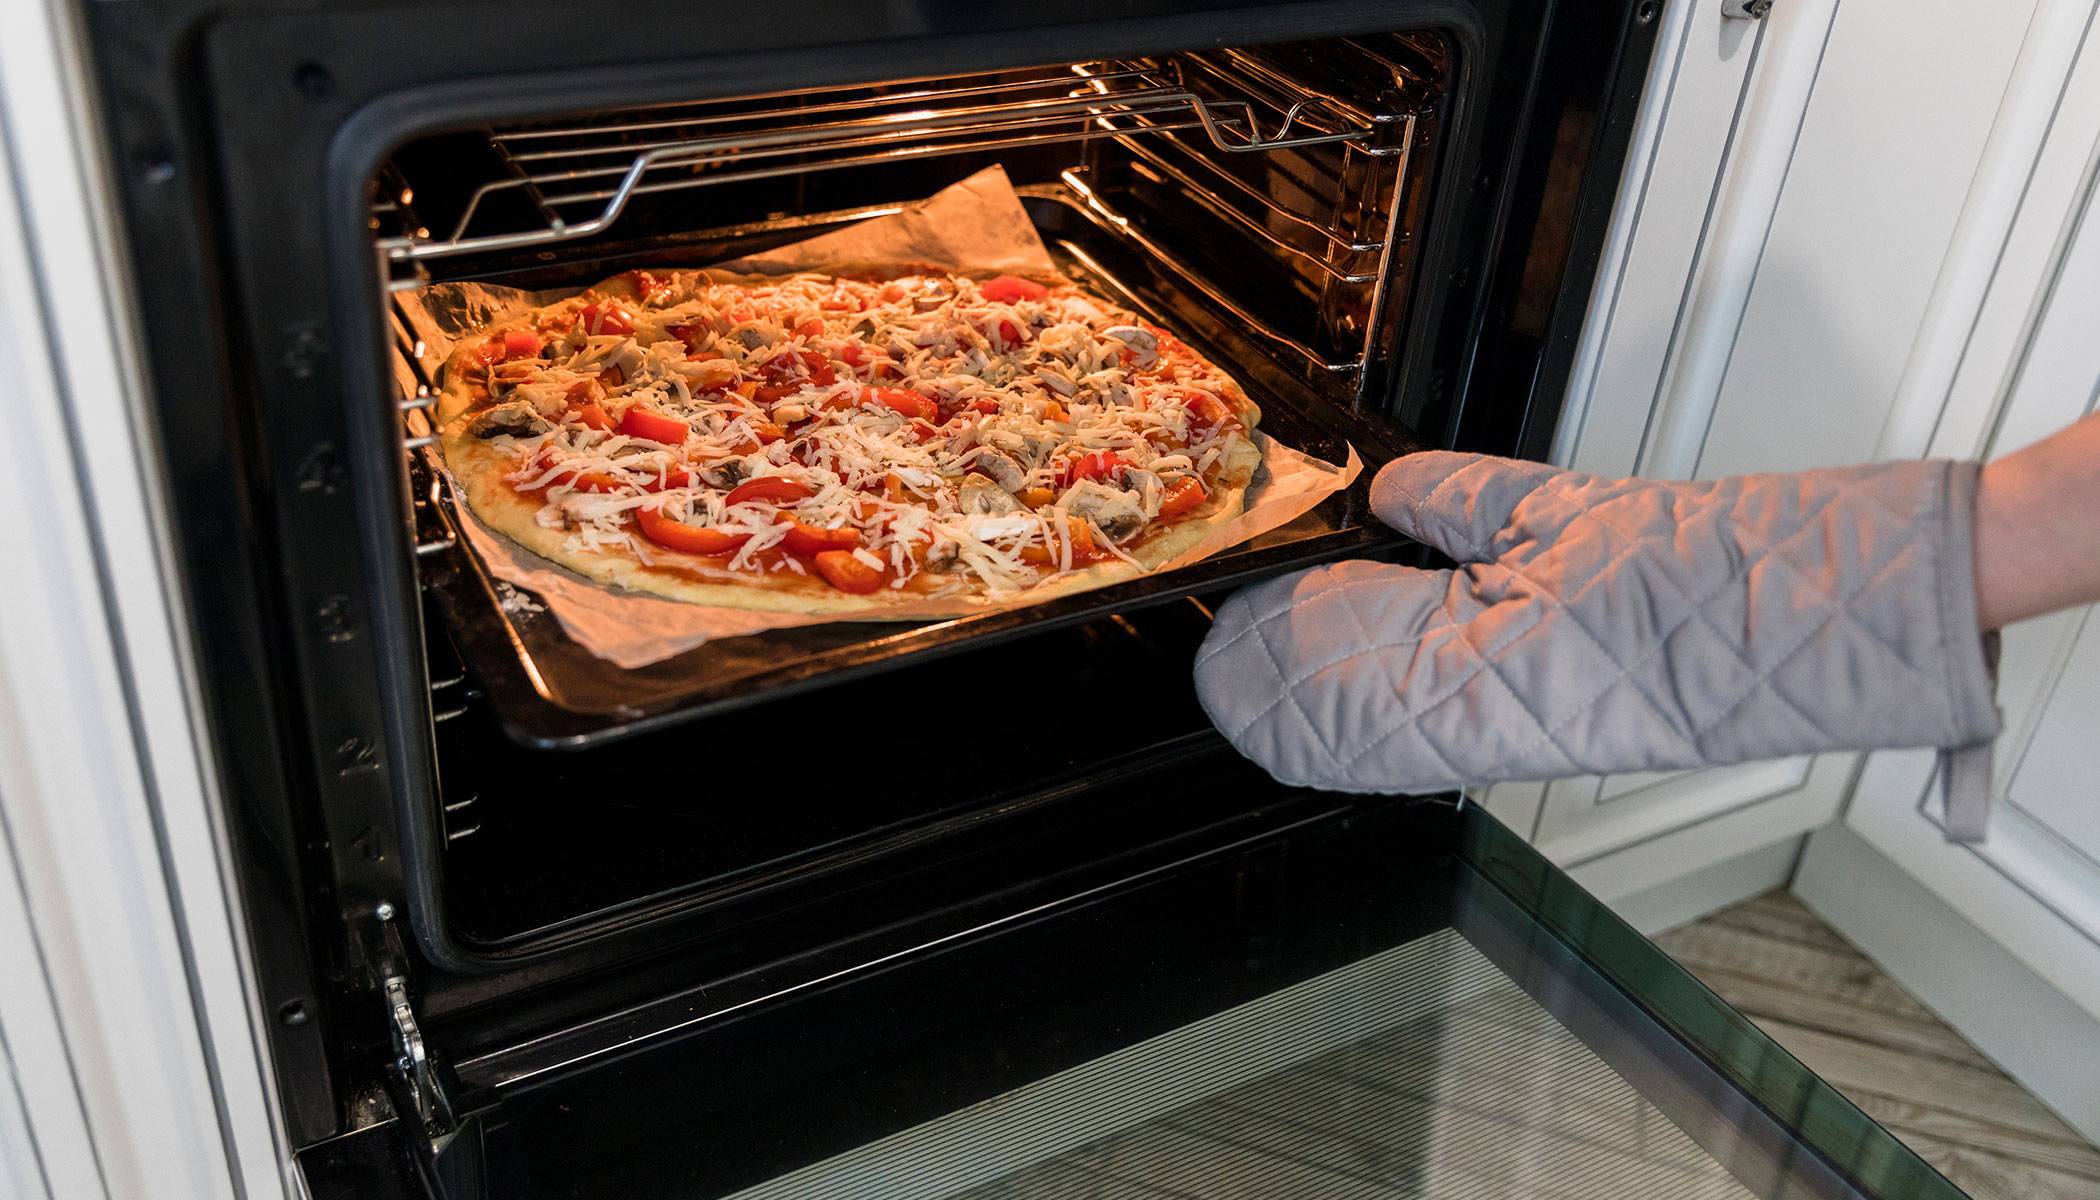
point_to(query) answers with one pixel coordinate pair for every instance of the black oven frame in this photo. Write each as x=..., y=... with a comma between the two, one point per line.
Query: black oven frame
x=240, y=135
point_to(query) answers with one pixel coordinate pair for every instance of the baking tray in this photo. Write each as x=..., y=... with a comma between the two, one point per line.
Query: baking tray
x=550, y=693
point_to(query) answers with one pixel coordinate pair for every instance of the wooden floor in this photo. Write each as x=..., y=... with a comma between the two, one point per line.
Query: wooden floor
x=1838, y=1013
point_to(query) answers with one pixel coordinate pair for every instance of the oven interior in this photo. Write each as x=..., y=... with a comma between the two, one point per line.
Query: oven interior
x=1267, y=202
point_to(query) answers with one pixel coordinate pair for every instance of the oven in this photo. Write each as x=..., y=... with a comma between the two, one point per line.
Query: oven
x=526, y=923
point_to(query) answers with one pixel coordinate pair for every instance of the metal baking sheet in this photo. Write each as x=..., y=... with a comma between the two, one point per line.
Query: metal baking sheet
x=550, y=693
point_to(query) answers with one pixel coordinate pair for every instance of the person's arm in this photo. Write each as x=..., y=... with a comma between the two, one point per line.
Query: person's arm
x=2038, y=527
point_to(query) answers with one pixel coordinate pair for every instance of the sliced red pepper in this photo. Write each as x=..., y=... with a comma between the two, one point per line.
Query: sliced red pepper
x=860, y=354
x=1005, y=289
x=1081, y=536
x=652, y=426
x=673, y=534
x=1206, y=410
x=594, y=416
x=842, y=570
x=648, y=287
x=767, y=432
x=606, y=317
x=1101, y=464
x=672, y=477
x=1006, y=334
x=776, y=488
x=984, y=404
x=690, y=335
x=810, y=539
x=910, y=403
x=810, y=328
x=598, y=481
x=613, y=377
x=520, y=343
x=1183, y=495
x=781, y=367
x=592, y=481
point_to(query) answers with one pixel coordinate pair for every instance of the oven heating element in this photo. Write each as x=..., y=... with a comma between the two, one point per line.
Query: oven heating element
x=570, y=180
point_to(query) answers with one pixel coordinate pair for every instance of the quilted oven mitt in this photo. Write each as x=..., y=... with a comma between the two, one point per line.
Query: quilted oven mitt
x=1602, y=625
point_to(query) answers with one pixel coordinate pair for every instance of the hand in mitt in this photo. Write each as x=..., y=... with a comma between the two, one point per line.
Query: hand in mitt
x=1599, y=625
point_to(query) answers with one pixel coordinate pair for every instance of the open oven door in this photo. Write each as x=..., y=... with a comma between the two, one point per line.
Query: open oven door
x=1387, y=998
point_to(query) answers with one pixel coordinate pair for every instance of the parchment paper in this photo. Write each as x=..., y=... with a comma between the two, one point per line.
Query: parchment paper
x=976, y=226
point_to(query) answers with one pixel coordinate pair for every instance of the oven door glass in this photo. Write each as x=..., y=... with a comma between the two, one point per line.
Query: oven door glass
x=1397, y=1000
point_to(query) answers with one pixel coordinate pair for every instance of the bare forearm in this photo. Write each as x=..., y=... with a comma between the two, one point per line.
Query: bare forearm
x=2038, y=527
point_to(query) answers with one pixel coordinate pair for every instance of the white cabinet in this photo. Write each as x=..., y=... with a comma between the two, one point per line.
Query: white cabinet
x=2029, y=363
x=1867, y=230
x=1779, y=249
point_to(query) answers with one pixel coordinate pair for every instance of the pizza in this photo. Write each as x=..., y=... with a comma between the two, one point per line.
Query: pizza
x=844, y=444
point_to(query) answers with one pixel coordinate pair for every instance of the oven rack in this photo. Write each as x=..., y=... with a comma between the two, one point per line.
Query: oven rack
x=578, y=178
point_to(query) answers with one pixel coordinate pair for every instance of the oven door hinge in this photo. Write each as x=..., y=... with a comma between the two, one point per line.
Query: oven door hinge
x=412, y=1076
x=1745, y=10
x=412, y=1068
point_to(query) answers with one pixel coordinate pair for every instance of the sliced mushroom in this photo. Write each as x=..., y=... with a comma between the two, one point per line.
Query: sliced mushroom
x=1116, y=513
x=754, y=335
x=941, y=341
x=1066, y=342
x=1056, y=381
x=1004, y=470
x=706, y=372
x=1144, y=348
x=934, y=295
x=627, y=359
x=725, y=474
x=982, y=496
x=515, y=419
x=548, y=399
x=1007, y=440
x=1147, y=487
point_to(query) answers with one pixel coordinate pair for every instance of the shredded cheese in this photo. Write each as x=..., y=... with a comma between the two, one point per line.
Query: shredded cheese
x=879, y=398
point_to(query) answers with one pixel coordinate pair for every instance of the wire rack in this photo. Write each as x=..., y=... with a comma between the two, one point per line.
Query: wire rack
x=575, y=179
x=1185, y=120
x=1309, y=172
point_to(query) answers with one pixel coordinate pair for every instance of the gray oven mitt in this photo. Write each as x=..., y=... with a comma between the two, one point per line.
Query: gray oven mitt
x=1604, y=625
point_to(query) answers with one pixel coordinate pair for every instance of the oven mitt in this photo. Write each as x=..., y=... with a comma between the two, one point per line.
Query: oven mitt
x=1598, y=625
